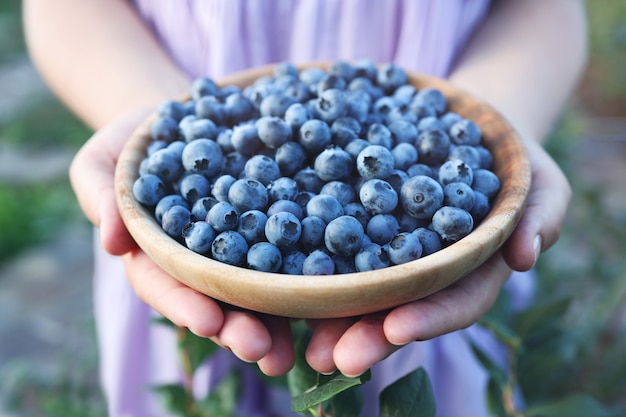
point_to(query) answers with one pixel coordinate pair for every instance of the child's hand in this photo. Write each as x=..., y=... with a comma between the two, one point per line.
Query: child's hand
x=354, y=345
x=253, y=338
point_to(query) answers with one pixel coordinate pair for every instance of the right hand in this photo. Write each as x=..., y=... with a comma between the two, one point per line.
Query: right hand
x=250, y=336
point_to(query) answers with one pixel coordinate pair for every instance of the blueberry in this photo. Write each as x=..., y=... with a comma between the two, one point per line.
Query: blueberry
x=296, y=115
x=486, y=157
x=481, y=207
x=203, y=156
x=396, y=179
x=308, y=180
x=420, y=169
x=223, y=216
x=404, y=155
x=230, y=247
x=429, y=239
x=458, y=194
x=358, y=105
x=382, y=227
x=201, y=207
x=379, y=134
x=211, y=108
x=355, y=146
x=221, y=185
x=164, y=128
x=465, y=132
x=421, y=196
x=172, y=109
x=148, y=189
x=199, y=129
x=252, y=226
x=378, y=196
x=311, y=76
x=333, y=163
x=357, y=211
x=405, y=93
x=455, y=170
x=403, y=131
x=343, y=192
x=273, y=131
x=286, y=205
x=285, y=68
x=371, y=257
x=486, y=182
x=314, y=135
x=290, y=157
x=404, y=247
x=198, y=236
x=248, y=194
x=449, y=118
x=431, y=97
x=325, y=207
x=452, y=223
x=375, y=161
x=203, y=86
x=468, y=154
x=390, y=76
x=430, y=123
x=233, y=164
x=175, y=220
x=344, y=264
x=282, y=188
x=283, y=229
x=166, y=203
x=318, y=263
x=262, y=168
x=194, y=186
x=245, y=139
x=330, y=81
x=312, y=236
x=433, y=147
x=365, y=68
x=238, y=108
x=166, y=164
x=331, y=105
x=342, y=69
x=303, y=199
x=292, y=263
x=275, y=104
x=224, y=140
x=154, y=146
x=263, y=256
x=343, y=236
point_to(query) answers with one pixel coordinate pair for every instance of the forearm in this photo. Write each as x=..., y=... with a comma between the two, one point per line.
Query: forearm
x=99, y=58
x=526, y=60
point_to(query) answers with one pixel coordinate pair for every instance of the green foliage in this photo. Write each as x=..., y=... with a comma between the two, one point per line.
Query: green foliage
x=412, y=395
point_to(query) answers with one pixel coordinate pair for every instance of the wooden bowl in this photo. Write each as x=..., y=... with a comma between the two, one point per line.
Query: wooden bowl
x=347, y=294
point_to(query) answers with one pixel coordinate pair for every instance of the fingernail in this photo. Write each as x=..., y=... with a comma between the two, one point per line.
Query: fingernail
x=537, y=246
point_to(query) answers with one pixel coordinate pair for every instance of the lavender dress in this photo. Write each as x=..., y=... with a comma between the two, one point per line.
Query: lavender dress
x=218, y=37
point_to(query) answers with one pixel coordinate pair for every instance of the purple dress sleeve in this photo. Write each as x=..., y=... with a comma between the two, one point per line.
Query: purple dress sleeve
x=217, y=37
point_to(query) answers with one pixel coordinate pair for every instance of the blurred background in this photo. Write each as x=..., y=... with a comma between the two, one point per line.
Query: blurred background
x=48, y=355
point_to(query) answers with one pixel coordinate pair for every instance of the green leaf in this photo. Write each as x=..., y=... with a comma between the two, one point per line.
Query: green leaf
x=223, y=400
x=301, y=377
x=197, y=348
x=571, y=406
x=502, y=331
x=541, y=317
x=410, y=396
x=494, y=371
x=348, y=403
x=325, y=391
x=174, y=399
x=494, y=398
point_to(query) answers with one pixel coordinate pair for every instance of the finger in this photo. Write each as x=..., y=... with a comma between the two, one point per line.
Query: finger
x=281, y=357
x=180, y=304
x=245, y=335
x=362, y=346
x=326, y=334
x=453, y=308
x=540, y=226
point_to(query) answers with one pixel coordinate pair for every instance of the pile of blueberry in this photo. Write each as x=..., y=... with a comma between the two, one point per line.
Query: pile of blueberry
x=316, y=171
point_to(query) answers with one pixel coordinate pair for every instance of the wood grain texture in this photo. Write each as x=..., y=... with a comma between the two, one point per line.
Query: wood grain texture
x=347, y=294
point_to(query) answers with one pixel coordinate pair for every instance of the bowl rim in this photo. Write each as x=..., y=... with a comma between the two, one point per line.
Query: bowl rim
x=346, y=294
